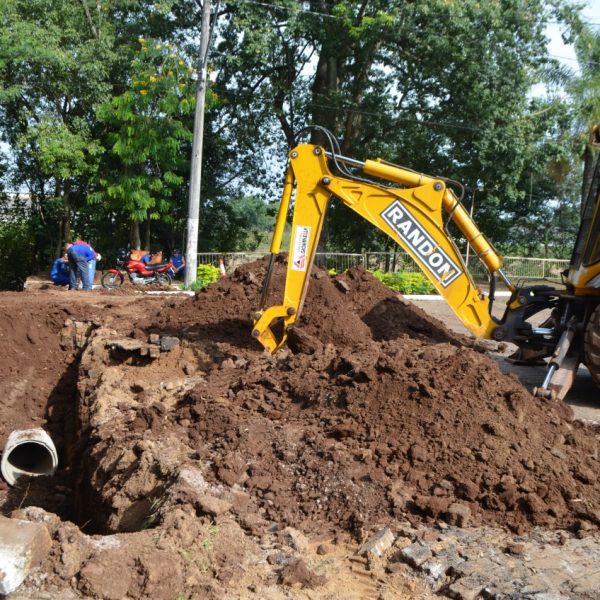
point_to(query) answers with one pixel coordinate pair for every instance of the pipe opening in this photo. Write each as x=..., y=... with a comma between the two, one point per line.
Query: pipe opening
x=31, y=458
x=29, y=452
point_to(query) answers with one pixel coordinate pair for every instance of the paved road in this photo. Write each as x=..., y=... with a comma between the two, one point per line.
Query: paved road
x=584, y=396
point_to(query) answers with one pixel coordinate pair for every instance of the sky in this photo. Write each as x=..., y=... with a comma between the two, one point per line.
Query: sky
x=556, y=47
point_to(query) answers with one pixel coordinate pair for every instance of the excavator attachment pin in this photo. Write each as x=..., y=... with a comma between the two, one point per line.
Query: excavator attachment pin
x=544, y=393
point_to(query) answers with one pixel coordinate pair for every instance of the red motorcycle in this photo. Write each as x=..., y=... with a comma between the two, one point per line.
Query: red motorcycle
x=139, y=272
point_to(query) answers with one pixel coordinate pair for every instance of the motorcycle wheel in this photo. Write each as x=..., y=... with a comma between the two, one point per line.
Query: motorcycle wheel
x=163, y=278
x=110, y=281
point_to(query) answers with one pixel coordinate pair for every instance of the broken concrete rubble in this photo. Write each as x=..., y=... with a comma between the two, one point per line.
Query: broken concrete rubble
x=23, y=546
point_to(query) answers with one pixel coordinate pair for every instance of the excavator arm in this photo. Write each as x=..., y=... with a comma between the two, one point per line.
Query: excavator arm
x=413, y=215
x=414, y=209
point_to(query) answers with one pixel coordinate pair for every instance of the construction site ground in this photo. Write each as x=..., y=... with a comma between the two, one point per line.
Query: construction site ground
x=381, y=454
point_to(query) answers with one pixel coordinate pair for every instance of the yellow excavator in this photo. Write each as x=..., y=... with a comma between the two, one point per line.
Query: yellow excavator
x=415, y=210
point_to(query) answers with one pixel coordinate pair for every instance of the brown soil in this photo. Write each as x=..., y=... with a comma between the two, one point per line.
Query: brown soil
x=381, y=410
x=374, y=413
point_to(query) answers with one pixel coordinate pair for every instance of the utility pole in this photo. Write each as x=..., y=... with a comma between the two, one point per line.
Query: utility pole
x=191, y=248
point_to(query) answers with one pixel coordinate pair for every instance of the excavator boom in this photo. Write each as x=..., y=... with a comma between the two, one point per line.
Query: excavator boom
x=414, y=216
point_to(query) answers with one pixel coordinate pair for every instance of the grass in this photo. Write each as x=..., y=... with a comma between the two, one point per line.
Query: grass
x=207, y=544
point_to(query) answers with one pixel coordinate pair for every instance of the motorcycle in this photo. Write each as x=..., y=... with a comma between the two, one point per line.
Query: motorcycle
x=139, y=273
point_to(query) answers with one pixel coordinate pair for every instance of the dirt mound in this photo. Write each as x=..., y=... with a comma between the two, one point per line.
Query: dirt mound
x=381, y=410
x=345, y=311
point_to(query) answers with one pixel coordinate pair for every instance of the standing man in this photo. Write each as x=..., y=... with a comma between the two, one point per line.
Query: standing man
x=91, y=262
x=79, y=254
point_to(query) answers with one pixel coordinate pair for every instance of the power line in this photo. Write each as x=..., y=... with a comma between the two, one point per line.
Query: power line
x=287, y=8
x=421, y=122
x=592, y=23
x=575, y=59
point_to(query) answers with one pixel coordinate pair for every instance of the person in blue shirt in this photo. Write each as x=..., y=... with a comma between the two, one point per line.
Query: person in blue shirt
x=60, y=271
x=78, y=255
x=178, y=261
x=92, y=262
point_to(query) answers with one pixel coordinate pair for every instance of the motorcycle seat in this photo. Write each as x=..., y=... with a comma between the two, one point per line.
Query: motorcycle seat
x=155, y=267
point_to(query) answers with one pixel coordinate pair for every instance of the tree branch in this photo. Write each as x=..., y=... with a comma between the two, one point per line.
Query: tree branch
x=89, y=17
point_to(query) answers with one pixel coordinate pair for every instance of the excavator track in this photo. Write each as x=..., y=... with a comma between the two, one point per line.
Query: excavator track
x=592, y=345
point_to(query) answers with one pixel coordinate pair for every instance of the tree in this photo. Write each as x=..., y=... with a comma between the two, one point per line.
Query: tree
x=149, y=126
x=235, y=224
x=438, y=86
x=584, y=89
x=54, y=68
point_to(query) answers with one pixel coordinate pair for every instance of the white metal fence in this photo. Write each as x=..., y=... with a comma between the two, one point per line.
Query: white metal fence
x=516, y=267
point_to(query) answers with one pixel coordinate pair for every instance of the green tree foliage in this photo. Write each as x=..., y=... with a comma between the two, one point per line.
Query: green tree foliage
x=441, y=86
x=238, y=224
x=17, y=243
x=149, y=125
x=437, y=85
x=584, y=89
x=54, y=67
x=544, y=219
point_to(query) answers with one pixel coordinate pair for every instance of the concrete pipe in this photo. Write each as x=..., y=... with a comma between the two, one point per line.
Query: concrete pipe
x=28, y=452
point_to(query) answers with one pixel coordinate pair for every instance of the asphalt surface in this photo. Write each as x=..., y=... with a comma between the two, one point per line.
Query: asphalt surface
x=584, y=396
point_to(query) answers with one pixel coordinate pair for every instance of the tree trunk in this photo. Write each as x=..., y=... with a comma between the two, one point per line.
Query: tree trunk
x=147, y=234
x=134, y=235
x=364, y=57
x=324, y=87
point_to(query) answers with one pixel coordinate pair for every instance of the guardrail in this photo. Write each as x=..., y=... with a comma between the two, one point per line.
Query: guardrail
x=516, y=267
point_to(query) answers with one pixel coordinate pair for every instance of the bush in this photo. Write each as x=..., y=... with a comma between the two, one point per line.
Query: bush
x=16, y=255
x=405, y=283
x=205, y=275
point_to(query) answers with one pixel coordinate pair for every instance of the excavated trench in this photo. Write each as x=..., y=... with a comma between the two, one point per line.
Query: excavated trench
x=76, y=491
